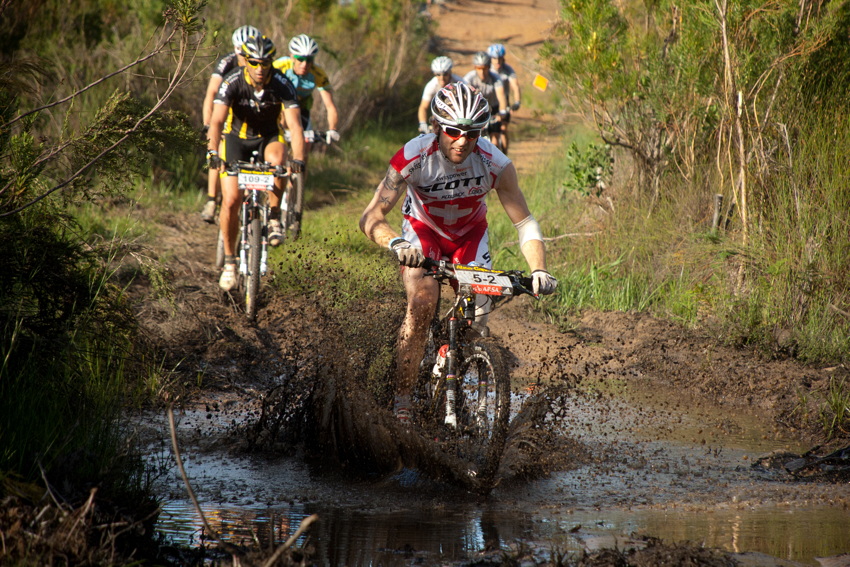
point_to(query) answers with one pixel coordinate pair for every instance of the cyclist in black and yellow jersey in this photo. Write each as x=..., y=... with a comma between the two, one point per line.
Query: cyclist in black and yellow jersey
x=224, y=66
x=300, y=68
x=246, y=118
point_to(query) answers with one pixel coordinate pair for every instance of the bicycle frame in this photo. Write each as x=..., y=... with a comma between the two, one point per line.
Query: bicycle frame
x=471, y=281
x=255, y=179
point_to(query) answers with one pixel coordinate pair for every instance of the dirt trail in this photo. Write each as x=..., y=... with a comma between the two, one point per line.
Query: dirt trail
x=468, y=26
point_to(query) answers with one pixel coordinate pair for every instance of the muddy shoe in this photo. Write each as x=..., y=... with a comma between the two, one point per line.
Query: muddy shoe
x=228, y=277
x=275, y=232
x=208, y=212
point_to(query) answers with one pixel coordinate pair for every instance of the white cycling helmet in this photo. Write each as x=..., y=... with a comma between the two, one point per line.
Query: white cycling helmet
x=459, y=105
x=303, y=46
x=496, y=50
x=442, y=65
x=240, y=35
x=481, y=59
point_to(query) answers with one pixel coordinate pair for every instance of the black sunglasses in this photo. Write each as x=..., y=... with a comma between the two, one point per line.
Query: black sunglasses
x=455, y=133
x=265, y=63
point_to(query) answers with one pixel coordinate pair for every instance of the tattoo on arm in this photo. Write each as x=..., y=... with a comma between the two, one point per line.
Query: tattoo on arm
x=393, y=181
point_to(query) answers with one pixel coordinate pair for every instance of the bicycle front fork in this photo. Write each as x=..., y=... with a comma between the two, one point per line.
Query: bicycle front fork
x=246, y=243
x=451, y=375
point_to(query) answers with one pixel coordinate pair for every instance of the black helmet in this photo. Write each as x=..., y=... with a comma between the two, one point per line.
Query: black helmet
x=258, y=47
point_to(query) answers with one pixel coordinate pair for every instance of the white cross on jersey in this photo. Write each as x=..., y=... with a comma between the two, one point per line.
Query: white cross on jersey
x=450, y=213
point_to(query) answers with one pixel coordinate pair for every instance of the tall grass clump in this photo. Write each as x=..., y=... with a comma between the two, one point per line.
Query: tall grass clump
x=66, y=337
x=699, y=100
x=69, y=350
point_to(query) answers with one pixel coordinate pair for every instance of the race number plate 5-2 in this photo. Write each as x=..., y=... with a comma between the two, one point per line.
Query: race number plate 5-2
x=256, y=181
x=484, y=281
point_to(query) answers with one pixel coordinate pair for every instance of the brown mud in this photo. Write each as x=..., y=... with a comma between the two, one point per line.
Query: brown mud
x=645, y=419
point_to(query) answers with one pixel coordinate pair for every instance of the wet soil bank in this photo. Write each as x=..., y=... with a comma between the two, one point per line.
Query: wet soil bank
x=660, y=435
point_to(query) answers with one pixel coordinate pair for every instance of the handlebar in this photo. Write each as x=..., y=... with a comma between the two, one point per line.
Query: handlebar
x=234, y=167
x=446, y=270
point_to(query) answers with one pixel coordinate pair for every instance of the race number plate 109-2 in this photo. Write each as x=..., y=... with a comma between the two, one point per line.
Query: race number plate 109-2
x=484, y=281
x=256, y=181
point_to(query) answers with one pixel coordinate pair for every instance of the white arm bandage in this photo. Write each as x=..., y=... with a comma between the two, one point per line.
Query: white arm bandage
x=528, y=229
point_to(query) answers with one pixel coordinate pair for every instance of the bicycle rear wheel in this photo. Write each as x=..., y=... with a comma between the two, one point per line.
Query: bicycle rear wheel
x=219, y=251
x=252, y=288
x=294, y=201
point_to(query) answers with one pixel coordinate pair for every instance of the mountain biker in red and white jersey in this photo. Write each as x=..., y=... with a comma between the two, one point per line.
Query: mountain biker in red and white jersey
x=442, y=69
x=490, y=85
x=246, y=118
x=509, y=80
x=224, y=66
x=446, y=177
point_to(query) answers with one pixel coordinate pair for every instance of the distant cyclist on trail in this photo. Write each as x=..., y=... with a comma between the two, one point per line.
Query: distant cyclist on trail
x=246, y=118
x=490, y=85
x=225, y=65
x=446, y=176
x=301, y=70
x=509, y=80
x=442, y=69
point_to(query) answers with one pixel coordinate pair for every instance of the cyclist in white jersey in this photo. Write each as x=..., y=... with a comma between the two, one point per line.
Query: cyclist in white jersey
x=442, y=69
x=446, y=176
x=509, y=79
x=491, y=87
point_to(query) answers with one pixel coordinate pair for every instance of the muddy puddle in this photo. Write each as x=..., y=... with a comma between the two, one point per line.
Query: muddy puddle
x=662, y=466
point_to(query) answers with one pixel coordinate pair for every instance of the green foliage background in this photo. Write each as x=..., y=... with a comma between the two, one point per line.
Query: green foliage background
x=82, y=129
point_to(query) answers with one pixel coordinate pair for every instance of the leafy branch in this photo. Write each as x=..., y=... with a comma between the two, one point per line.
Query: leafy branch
x=181, y=27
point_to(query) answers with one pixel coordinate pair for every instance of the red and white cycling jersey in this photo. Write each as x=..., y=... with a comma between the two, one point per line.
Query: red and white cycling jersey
x=450, y=199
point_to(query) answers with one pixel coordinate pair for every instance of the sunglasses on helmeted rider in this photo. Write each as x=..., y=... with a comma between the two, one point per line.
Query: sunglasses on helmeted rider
x=265, y=63
x=455, y=133
x=304, y=58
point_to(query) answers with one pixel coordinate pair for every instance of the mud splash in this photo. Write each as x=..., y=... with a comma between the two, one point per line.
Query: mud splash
x=628, y=464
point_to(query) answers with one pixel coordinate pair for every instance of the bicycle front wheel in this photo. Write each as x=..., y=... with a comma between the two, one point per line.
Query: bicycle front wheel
x=252, y=289
x=483, y=391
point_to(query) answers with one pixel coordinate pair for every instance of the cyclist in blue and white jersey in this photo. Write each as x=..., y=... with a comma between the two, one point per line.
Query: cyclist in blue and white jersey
x=491, y=87
x=509, y=79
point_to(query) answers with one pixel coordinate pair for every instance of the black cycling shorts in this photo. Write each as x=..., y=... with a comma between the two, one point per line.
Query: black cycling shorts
x=235, y=148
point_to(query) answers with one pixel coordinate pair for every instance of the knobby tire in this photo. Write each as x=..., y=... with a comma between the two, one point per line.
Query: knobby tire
x=219, y=250
x=484, y=358
x=252, y=289
x=480, y=358
x=294, y=206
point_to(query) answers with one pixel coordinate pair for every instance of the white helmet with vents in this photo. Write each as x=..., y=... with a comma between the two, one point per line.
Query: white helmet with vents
x=481, y=59
x=442, y=65
x=303, y=46
x=459, y=105
x=240, y=35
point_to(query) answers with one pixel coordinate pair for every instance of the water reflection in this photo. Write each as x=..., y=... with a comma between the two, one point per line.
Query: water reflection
x=667, y=468
x=345, y=536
